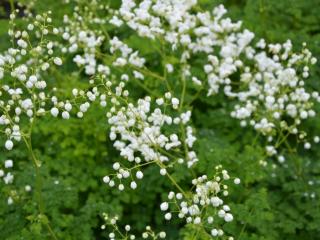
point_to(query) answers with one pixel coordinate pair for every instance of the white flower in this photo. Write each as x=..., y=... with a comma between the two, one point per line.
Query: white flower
x=139, y=175
x=54, y=111
x=162, y=235
x=9, y=145
x=168, y=216
x=197, y=220
x=65, y=115
x=68, y=107
x=116, y=166
x=163, y=171
x=10, y=201
x=21, y=43
x=116, y=21
x=106, y=179
x=228, y=217
x=57, y=61
x=127, y=228
x=8, y=178
x=307, y=145
x=237, y=181
x=169, y=68
x=8, y=164
x=214, y=232
x=121, y=187
x=133, y=185
x=164, y=206
x=175, y=102
x=160, y=101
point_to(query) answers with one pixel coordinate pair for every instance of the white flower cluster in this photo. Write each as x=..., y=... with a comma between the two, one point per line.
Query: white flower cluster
x=274, y=99
x=7, y=177
x=142, y=135
x=86, y=42
x=270, y=95
x=80, y=102
x=128, y=56
x=149, y=18
x=271, y=87
x=83, y=41
x=204, y=205
x=24, y=92
x=23, y=89
x=141, y=131
x=125, y=234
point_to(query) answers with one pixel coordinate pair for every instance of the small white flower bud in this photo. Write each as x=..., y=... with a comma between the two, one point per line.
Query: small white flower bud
x=8, y=164
x=57, y=61
x=237, y=181
x=133, y=185
x=139, y=175
x=168, y=216
x=163, y=171
x=164, y=206
x=9, y=145
x=54, y=111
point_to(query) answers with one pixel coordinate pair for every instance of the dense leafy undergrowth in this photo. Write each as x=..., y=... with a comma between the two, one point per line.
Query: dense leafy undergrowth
x=69, y=195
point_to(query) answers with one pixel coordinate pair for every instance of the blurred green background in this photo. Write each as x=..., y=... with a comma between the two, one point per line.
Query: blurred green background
x=272, y=203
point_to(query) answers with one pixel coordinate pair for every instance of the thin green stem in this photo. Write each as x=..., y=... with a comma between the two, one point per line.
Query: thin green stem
x=12, y=6
x=38, y=185
x=173, y=180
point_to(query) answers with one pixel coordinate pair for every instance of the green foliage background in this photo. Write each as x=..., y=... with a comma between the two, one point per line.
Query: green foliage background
x=270, y=203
